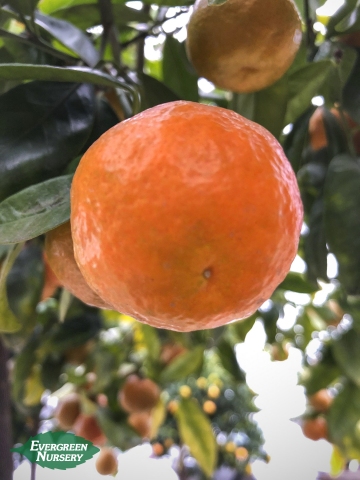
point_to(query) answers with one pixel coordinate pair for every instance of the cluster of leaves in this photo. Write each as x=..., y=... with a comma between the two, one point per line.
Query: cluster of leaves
x=63, y=82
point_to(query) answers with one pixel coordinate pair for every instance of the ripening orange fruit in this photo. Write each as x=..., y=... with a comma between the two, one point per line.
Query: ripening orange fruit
x=209, y=407
x=51, y=282
x=86, y=426
x=68, y=410
x=106, y=462
x=186, y=216
x=141, y=422
x=315, y=428
x=138, y=394
x=321, y=400
x=241, y=45
x=60, y=256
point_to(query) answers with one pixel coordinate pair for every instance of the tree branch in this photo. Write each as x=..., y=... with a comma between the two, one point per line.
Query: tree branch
x=6, y=442
x=110, y=33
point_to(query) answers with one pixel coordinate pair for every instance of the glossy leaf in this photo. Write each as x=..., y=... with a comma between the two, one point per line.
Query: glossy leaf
x=8, y=322
x=343, y=421
x=229, y=361
x=347, y=354
x=196, y=432
x=42, y=127
x=178, y=74
x=70, y=36
x=183, y=365
x=315, y=244
x=304, y=84
x=19, y=71
x=25, y=7
x=342, y=220
x=343, y=11
x=155, y=92
x=351, y=92
x=35, y=210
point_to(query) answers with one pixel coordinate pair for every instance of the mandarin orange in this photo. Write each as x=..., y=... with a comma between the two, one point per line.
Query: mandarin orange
x=60, y=257
x=185, y=216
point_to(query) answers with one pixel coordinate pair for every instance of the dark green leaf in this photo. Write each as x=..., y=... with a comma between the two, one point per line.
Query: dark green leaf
x=25, y=7
x=42, y=127
x=296, y=141
x=296, y=282
x=23, y=366
x=242, y=328
x=350, y=23
x=304, y=84
x=347, y=354
x=351, y=92
x=8, y=322
x=196, y=432
x=343, y=421
x=105, y=118
x=319, y=376
x=178, y=74
x=85, y=13
x=70, y=36
x=19, y=71
x=35, y=210
x=183, y=365
x=24, y=284
x=342, y=220
x=315, y=244
x=117, y=432
x=152, y=341
x=229, y=361
x=155, y=92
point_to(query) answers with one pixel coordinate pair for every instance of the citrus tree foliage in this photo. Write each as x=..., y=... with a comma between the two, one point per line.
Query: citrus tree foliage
x=71, y=70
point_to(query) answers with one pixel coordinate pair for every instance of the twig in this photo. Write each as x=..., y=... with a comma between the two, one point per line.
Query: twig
x=140, y=54
x=110, y=33
x=6, y=443
x=310, y=34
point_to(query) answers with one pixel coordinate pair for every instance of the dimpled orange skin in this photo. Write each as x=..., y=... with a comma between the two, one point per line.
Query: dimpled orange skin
x=185, y=216
x=60, y=256
x=243, y=45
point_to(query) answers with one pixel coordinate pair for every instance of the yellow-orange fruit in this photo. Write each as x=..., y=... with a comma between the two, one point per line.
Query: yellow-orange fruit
x=106, y=462
x=321, y=400
x=68, y=410
x=158, y=449
x=60, y=254
x=242, y=453
x=138, y=394
x=209, y=407
x=242, y=45
x=185, y=216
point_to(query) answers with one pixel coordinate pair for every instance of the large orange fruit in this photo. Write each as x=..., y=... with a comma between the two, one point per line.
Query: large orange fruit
x=60, y=256
x=185, y=216
x=138, y=394
x=243, y=45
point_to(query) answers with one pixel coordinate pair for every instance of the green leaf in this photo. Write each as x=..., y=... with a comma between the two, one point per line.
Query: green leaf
x=70, y=36
x=196, y=432
x=178, y=73
x=319, y=376
x=315, y=244
x=229, y=361
x=241, y=328
x=183, y=365
x=304, y=84
x=20, y=71
x=23, y=366
x=343, y=421
x=118, y=433
x=26, y=7
x=35, y=210
x=337, y=462
x=295, y=142
x=342, y=12
x=8, y=322
x=342, y=220
x=351, y=92
x=347, y=354
x=24, y=284
x=152, y=341
x=42, y=128
x=72, y=456
x=155, y=92
x=296, y=282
